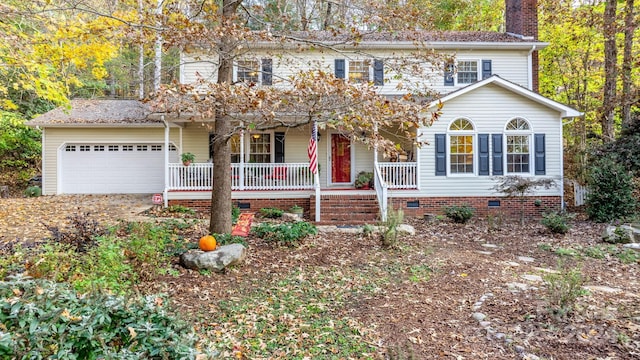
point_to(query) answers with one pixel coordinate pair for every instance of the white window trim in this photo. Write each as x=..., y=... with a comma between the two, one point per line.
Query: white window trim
x=478, y=71
x=247, y=145
x=529, y=133
x=474, y=136
x=370, y=69
x=236, y=67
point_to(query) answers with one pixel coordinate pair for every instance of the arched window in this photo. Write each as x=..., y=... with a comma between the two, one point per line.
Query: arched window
x=518, y=135
x=461, y=147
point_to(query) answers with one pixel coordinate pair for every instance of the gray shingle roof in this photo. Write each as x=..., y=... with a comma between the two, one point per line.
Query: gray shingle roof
x=98, y=112
x=414, y=36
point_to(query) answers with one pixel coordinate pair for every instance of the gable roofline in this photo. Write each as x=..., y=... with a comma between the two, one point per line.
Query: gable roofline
x=564, y=110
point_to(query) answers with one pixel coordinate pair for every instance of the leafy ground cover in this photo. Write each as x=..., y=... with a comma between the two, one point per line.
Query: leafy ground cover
x=344, y=295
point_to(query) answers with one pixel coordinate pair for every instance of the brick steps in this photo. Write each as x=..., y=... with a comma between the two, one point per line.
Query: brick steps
x=346, y=209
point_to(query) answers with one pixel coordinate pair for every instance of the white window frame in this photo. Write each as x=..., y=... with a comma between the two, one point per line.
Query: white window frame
x=272, y=146
x=236, y=68
x=474, y=146
x=347, y=69
x=478, y=70
x=529, y=134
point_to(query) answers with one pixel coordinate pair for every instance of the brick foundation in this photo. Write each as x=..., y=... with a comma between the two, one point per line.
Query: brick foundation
x=507, y=206
x=352, y=207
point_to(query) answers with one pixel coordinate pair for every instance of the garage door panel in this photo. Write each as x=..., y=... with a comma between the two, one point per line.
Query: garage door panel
x=113, y=168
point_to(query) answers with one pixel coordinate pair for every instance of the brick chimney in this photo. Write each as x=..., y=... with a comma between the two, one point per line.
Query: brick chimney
x=521, y=18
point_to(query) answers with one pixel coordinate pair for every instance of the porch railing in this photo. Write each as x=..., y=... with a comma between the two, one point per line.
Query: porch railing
x=399, y=175
x=247, y=176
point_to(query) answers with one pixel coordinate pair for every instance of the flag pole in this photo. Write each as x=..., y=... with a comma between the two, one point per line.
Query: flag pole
x=316, y=177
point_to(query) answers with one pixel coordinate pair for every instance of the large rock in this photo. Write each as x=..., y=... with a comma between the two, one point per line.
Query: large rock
x=624, y=234
x=216, y=260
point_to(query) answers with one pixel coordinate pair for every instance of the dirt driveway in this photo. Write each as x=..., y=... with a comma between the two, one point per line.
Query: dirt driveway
x=25, y=218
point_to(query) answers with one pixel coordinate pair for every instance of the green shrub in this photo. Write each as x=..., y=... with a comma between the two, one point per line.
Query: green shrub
x=459, y=214
x=288, y=234
x=563, y=290
x=390, y=235
x=610, y=191
x=33, y=191
x=226, y=239
x=180, y=209
x=271, y=213
x=235, y=214
x=557, y=221
x=42, y=319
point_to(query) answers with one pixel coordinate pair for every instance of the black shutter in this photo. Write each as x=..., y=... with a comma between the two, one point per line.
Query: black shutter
x=378, y=72
x=486, y=69
x=339, y=70
x=483, y=154
x=211, y=138
x=279, y=147
x=497, y=154
x=448, y=74
x=267, y=71
x=441, y=154
x=541, y=168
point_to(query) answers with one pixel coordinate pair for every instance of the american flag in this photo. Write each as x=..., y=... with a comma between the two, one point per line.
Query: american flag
x=312, y=149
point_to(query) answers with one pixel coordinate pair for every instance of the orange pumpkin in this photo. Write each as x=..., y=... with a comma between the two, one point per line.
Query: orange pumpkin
x=207, y=243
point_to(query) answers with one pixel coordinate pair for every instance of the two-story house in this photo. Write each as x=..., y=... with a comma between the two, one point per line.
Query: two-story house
x=493, y=123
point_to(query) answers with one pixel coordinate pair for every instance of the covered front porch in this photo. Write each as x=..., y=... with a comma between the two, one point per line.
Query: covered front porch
x=275, y=165
x=281, y=176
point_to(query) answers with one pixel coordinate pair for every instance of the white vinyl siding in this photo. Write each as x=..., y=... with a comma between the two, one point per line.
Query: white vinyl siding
x=492, y=107
x=54, y=139
x=511, y=65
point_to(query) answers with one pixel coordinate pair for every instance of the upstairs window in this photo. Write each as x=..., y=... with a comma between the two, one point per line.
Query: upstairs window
x=467, y=72
x=248, y=71
x=359, y=71
x=254, y=71
x=518, y=136
x=461, y=147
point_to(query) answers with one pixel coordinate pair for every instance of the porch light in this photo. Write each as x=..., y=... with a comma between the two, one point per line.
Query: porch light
x=256, y=136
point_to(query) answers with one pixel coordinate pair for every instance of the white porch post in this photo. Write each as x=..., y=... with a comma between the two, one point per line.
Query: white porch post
x=241, y=170
x=375, y=145
x=166, y=163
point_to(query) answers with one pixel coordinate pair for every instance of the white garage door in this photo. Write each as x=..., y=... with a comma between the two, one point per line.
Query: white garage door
x=113, y=168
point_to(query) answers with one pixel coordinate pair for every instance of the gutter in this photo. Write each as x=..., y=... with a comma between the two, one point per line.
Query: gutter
x=530, y=67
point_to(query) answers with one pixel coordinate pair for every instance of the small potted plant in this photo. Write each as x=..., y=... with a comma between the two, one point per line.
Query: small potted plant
x=364, y=180
x=187, y=158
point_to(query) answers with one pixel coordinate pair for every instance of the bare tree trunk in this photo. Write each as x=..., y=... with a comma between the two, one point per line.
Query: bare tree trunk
x=610, y=71
x=627, y=63
x=140, y=57
x=157, y=75
x=220, y=216
x=327, y=16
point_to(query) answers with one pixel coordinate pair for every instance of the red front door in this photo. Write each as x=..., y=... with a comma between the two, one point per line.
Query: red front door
x=340, y=159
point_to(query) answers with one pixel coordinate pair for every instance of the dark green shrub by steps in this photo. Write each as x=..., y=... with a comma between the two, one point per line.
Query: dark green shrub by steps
x=42, y=319
x=459, y=214
x=288, y=234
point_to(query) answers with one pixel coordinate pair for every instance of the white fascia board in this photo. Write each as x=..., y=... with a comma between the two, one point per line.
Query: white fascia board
x=565, y=111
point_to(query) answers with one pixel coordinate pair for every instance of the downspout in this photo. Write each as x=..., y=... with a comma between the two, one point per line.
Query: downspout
x=43, y=159
x=166, y=162
x=530, y=67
